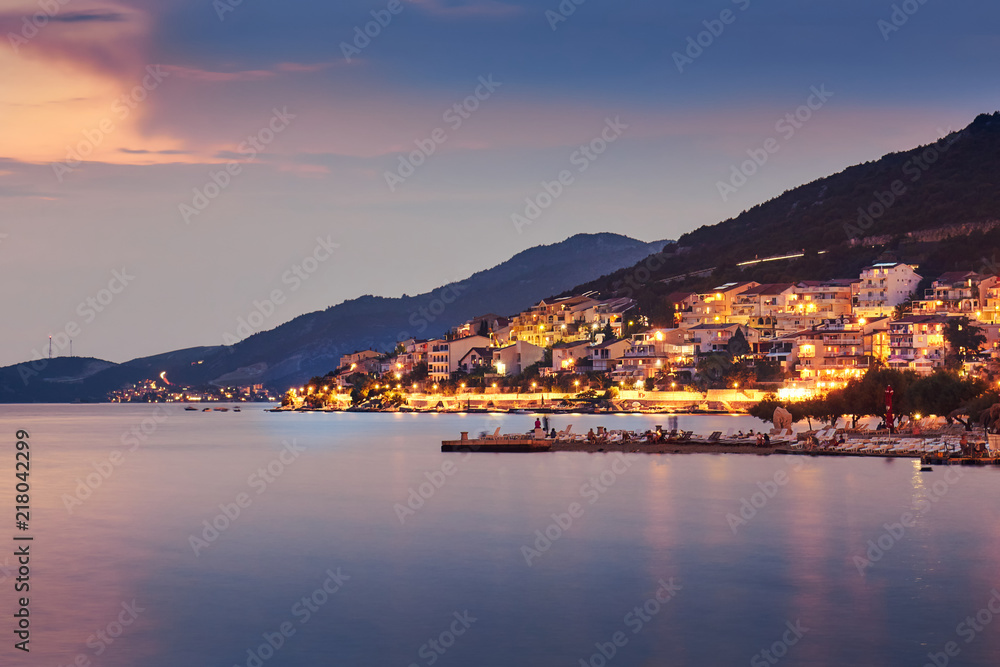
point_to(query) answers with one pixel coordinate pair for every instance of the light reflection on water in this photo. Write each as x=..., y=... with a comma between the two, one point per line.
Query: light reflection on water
x=334, y=506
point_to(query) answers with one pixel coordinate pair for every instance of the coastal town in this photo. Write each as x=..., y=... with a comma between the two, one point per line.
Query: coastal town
x=722, y=350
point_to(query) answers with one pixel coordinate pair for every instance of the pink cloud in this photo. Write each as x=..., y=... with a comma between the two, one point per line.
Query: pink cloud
x=468, y=8
x=208, y=76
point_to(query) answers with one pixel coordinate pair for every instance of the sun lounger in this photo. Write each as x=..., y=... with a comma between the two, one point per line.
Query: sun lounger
x=715, y=436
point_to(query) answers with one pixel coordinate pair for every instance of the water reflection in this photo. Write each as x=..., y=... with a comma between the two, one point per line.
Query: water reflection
x=462, y=548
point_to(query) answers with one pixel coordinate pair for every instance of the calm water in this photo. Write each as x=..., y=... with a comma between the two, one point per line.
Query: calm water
x=336, y=506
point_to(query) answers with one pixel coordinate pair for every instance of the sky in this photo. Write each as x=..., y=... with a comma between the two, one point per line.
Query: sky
x=168, y=167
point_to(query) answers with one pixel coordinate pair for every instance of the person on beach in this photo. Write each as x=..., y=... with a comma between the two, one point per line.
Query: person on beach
x=767, y=440
x=590, y=436
x=538, y=423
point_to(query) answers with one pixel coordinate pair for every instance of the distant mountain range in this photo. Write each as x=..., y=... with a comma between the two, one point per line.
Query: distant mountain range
x=937, y=206
x=312, y=344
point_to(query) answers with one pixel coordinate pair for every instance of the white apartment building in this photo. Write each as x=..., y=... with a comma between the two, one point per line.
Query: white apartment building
x=882, y=287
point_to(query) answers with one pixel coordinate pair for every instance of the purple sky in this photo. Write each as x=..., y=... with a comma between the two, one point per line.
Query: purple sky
x=113, y=115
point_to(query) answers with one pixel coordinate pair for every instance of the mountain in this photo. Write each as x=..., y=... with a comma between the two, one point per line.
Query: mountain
x=312, y=344
x=73, y=379
x=937, y=206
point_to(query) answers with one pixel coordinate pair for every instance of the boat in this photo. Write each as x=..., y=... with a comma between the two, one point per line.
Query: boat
x=236, y=410
x=222, y=409
x=207, y=410
x=191, y=408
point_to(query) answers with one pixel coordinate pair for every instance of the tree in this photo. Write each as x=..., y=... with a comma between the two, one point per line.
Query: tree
x=964, y=338
x=713, y=368
x=738, y=346
x=943, y=392
x=903, y=309
x=609, y=333
x=361, y=386
x=764, y=410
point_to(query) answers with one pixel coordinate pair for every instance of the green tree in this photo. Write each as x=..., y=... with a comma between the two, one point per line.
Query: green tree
x=903, y=309
x=738, y=346
x=713, y=370
x=964, y=338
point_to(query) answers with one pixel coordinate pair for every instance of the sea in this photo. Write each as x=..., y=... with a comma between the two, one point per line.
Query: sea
x=159, y=537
